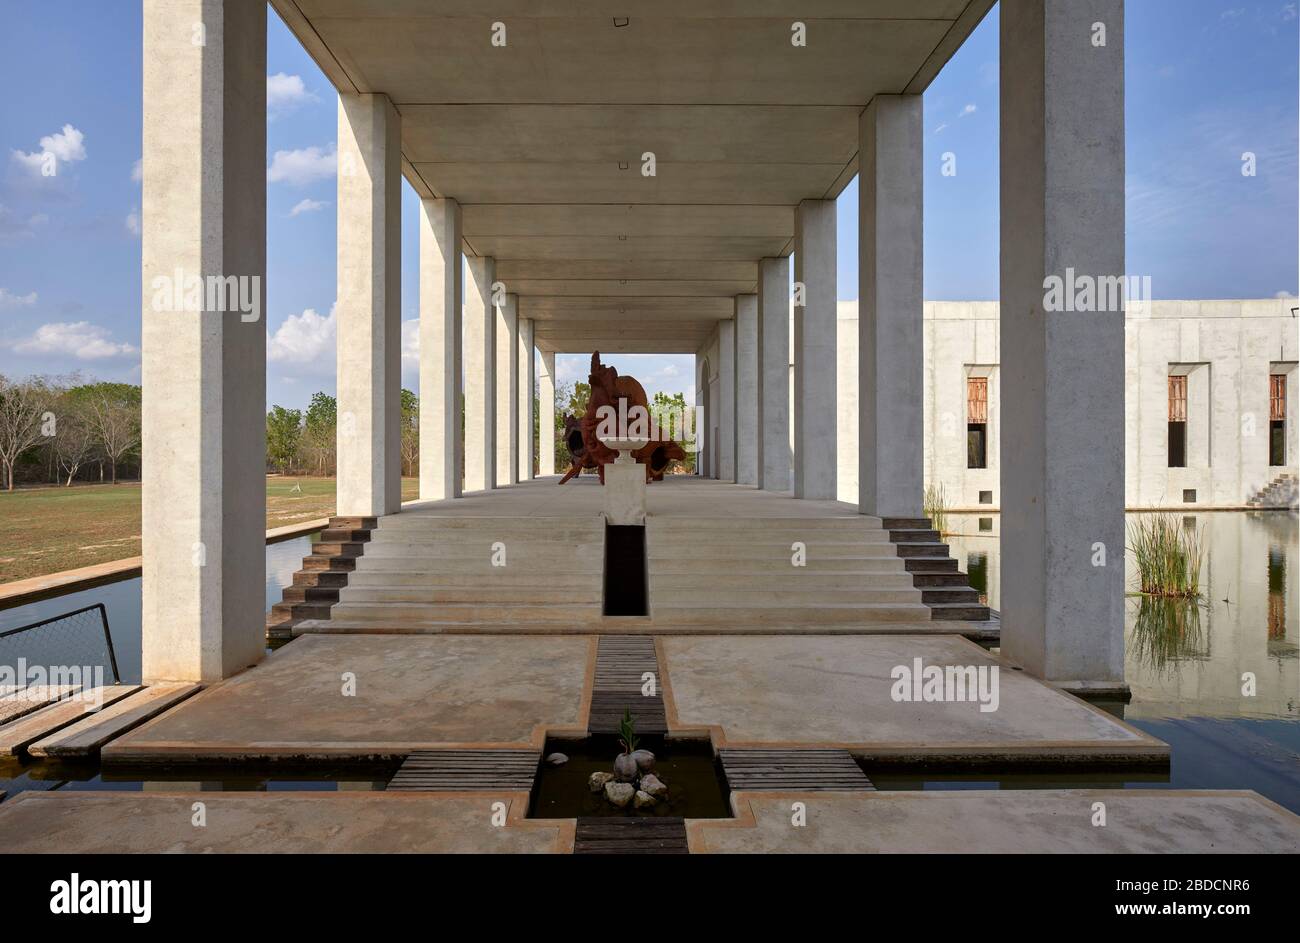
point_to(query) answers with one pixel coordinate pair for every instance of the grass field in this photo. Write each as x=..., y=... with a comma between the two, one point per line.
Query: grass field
x=45, y=530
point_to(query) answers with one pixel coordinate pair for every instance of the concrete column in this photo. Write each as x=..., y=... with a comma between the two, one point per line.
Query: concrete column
x=727, y=400
x=480, y=380
x=440, y=349
x=773, y=456
x=203, y=372
x=1062, y=467
x=891, y=387
x=814, y=350
x=546, y=414
x=525, y=409
x=747, y=389
x=507, y=377
x=368, y=311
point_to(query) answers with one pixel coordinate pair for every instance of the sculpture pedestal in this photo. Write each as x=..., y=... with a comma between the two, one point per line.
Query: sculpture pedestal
x=625, y=484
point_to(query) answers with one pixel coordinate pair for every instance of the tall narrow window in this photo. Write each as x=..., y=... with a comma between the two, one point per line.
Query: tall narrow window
x=977, y=422
x=1178, y=422
x=1277, y=419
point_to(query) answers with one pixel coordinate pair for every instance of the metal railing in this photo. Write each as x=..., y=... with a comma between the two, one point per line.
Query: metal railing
x=56, y=646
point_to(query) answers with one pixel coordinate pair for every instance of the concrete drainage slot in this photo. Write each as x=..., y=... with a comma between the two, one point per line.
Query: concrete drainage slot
x=626, y=593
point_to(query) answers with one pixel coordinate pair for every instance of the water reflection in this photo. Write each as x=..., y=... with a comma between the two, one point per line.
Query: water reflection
x=1188, y=660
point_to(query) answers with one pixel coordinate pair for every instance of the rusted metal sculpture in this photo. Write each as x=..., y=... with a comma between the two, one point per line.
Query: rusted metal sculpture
x=621, y=394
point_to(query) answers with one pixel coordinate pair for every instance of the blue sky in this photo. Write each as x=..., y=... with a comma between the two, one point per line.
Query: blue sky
x=1206, y=81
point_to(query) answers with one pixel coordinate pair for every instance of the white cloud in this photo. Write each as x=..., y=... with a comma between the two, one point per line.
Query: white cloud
x=308, y=206
x=411, y=340
x=137, y=170
x=9, y=300
x=14, y=229
x=301, y=167
x=66, y=146
x=968, y=110
x=940, y=129
x=286, y=92
x=302, y=338
x=1283, y=294
x=79, y=339
x=133, y=221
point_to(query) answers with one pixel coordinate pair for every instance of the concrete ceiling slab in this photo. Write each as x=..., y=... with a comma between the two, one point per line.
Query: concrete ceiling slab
x=542, y=140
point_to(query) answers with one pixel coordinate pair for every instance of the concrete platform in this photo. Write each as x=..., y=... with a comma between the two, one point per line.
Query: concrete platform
x=836, y=691
x=280, y=822
x=412, y=692
x=1056, y=821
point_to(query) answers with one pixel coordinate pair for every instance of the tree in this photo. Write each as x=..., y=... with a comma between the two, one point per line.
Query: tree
x=23, y=420
x=113, y=415
x=283, y=436
x=672, y=417
x=320, y=431
x=74, y=440
x=410, y=432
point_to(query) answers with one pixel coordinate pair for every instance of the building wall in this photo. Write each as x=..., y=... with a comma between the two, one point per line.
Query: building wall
x=1227, y=349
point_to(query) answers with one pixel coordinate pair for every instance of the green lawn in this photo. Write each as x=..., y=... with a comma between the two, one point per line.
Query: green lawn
x=45, y=530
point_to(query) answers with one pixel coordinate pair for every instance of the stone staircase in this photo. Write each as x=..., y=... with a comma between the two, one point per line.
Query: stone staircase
x=736, y=575
x=1282, y=492
x=944, y=588
x=324, y=574
x=426, y=574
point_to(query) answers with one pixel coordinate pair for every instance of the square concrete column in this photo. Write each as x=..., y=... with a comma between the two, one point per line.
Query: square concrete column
x=203, y=371
x=727, y=400
x=1062, y=467
x=480, y=378
x=773, y=439
x=891, y=387
x=814, y=350
x=440, y=349
x=507, y=376
x=368, y=311
x=546, y=414
x=525, y=409
x=747, y=389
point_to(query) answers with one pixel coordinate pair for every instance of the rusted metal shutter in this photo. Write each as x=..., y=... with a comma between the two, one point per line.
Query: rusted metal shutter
x=1277, y=396
x=977, y=399
x=1178, y=399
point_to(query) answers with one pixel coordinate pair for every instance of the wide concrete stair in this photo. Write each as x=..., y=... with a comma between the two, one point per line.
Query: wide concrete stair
x=428, y=575
x=1282, y=492
x=736, y=575
x=315, y=588
x=944, y=589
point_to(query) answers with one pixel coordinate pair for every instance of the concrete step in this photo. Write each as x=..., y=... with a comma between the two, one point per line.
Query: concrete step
x=862, y=567
x=333, y=578
x=770, y=551
x=757, y=595
x=486, y=577
x=471, y=595
x=950, y=594
x=903, y=523
x=506, y=613
x=913, y=536
x=324, y=561
x=345, y=534
x=846, y=522
x=297, y=594
x=959, y=611
x=928, y=580
x=282, y=611
x=348, y=548
x=83, y=739
x=822, y=613
x=930, y=565
x=783, y=579
x=462, y=549
x=922, y=550
x=541, y=526
x=367, y=523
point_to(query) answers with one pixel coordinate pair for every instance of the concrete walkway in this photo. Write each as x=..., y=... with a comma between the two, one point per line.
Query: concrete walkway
x=68, y=822
x=1034, y=822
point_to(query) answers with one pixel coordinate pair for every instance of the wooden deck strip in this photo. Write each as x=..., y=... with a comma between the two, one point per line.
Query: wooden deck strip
x=792, y=770
x=622, y=662
x=467, y=770
x=660, y=835
x=16, y=735
x=84, y=738
x=15, y=704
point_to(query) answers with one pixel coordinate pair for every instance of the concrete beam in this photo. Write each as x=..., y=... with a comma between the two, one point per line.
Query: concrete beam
x=526, y=360
x=747, y=389
x=507, y=400
x=368, y=310
x=814, y=350
x=1062, y=468
x=774, y=460
x=480, y=380
x=891, y=253
x=546, y=413
x=203, y=372
x=440, y=349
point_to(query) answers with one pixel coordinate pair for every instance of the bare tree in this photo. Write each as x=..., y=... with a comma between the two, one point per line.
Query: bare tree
x=74, y=439
x=23, y=422
x=113, y=414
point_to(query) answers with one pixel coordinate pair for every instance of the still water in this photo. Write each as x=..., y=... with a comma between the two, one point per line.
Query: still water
x=1186, y=662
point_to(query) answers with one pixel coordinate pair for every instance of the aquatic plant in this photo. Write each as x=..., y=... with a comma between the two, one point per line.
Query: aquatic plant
x=934, y=505
x=1168, y=555
x=627, y=732
x=1166, y=631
